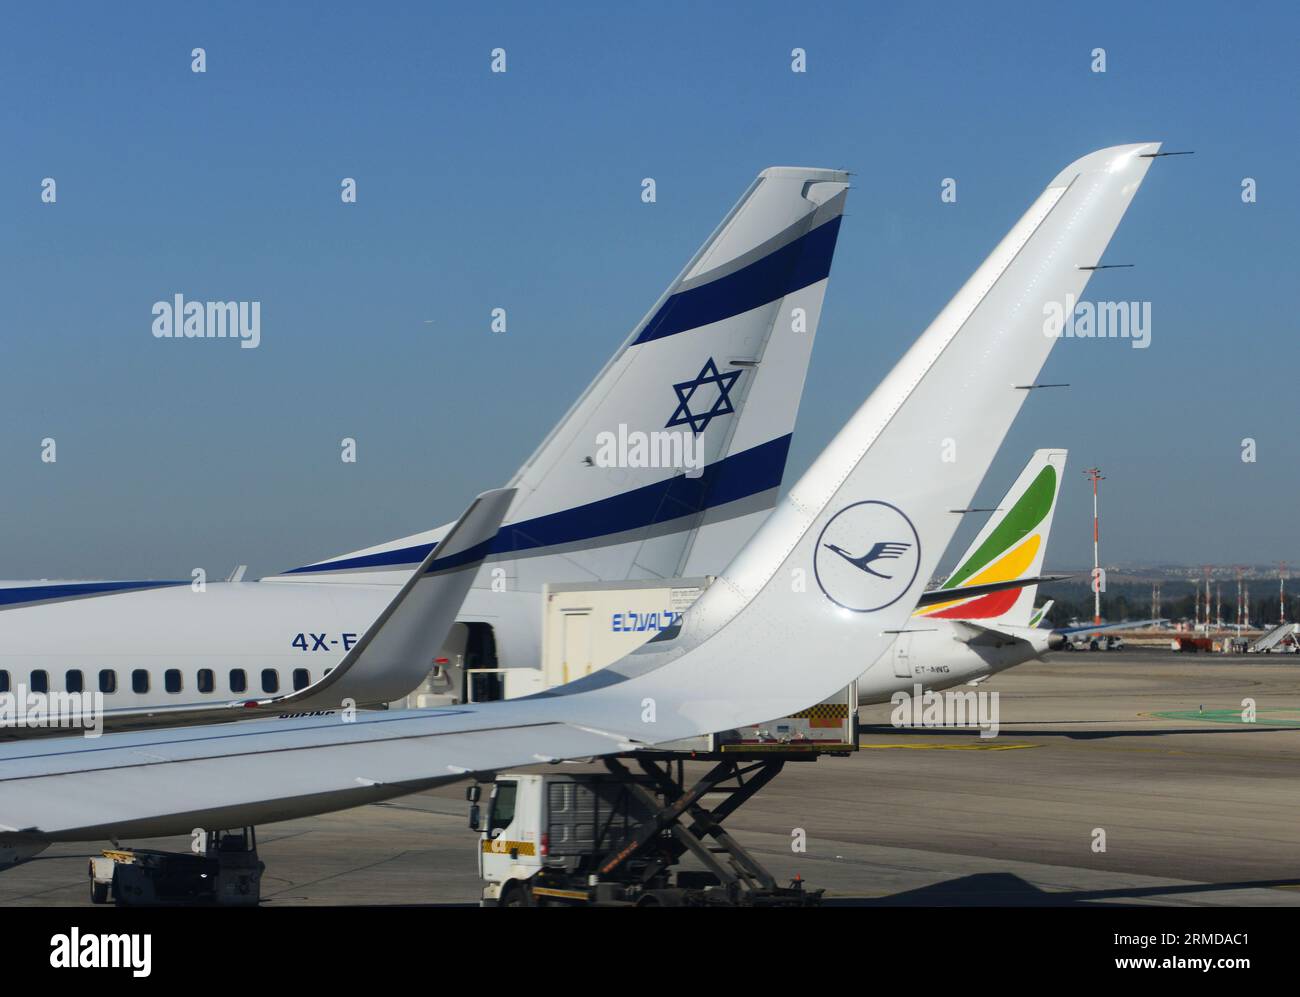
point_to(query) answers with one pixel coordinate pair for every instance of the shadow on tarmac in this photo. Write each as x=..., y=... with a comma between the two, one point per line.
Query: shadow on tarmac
x=1003, y=889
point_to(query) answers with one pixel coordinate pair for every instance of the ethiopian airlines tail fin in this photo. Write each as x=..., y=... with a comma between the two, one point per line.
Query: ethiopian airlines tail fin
x=1010, y=546
x=670, y=459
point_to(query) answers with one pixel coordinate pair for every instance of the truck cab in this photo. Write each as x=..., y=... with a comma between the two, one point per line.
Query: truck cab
x=509, y=851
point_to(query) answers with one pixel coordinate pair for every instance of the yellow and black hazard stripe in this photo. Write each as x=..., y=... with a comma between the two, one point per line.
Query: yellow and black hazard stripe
x=500, y=846
x=823, y=711
x=550, y=891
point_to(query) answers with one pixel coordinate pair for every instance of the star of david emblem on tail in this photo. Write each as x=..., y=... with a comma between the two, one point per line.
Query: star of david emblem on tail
x=699, y=421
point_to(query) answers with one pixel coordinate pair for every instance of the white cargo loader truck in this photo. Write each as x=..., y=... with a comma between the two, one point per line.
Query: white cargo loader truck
x=615, y=838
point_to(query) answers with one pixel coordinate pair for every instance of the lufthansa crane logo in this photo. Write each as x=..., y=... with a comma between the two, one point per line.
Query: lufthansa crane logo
x=867, y=556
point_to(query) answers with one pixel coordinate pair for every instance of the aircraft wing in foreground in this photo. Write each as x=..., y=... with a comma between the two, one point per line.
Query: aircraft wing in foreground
x=879, y=481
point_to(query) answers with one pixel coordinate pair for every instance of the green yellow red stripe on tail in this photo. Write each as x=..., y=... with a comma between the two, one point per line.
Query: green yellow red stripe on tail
x=1011, y=545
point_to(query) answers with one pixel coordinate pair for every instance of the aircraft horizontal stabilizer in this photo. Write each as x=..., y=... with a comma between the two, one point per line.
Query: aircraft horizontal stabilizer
x=974, y=635
x=936, y=596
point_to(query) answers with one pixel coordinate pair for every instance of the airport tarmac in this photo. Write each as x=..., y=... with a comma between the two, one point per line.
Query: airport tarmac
x=1198, y=807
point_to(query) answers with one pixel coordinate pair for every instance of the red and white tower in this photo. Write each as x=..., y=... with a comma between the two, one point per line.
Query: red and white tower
x=1094, y=473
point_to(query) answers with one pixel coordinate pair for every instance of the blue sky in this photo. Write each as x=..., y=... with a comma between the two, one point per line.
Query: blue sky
x=522, y=190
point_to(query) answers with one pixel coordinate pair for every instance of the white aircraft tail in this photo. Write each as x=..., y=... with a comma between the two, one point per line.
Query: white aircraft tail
x=1011, y=545
x=669, y=460
x=1040, y=614
x=836, y=570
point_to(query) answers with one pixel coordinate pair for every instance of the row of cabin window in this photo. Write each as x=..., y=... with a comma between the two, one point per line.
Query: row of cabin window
x=74, y=680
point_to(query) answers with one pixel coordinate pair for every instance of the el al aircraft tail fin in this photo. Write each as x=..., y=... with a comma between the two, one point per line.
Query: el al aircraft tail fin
x=668, y=461
x=1010, y=546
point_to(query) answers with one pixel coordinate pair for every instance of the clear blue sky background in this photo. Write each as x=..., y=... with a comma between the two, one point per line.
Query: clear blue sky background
x=522, y=190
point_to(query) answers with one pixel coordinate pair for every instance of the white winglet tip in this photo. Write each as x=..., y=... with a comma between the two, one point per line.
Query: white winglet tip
x=1114, y=159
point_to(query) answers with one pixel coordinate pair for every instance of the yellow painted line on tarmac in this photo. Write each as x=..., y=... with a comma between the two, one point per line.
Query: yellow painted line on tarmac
x=948, y=747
